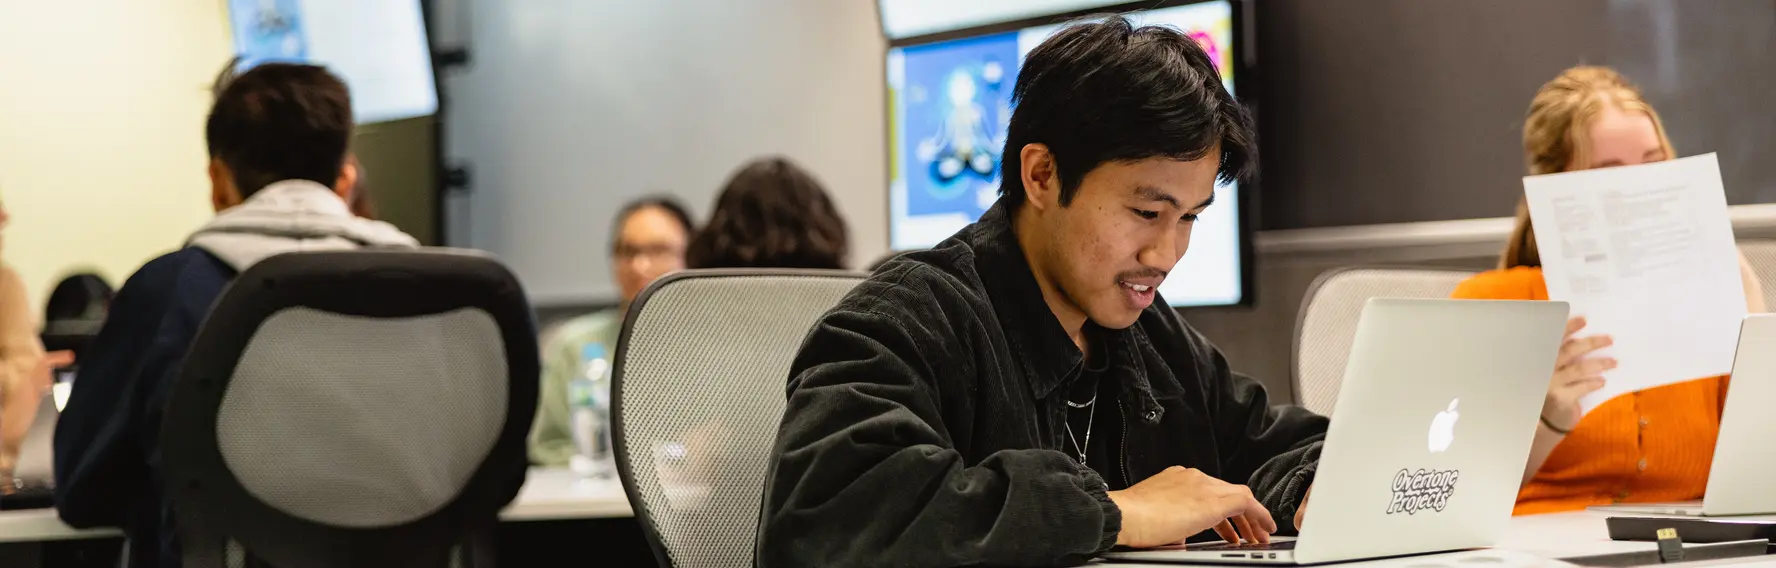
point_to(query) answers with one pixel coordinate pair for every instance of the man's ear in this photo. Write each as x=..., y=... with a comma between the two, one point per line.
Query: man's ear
x=1042, y=181
x=223, y=193
x=348, y=180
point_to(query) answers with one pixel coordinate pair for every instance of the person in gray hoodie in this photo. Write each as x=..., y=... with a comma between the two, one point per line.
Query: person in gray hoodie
x=278, y=139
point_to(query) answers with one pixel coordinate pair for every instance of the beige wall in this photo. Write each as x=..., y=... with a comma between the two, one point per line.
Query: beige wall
x=102, y=156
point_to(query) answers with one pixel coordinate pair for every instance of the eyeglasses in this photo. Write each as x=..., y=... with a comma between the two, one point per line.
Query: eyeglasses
x=650, y=252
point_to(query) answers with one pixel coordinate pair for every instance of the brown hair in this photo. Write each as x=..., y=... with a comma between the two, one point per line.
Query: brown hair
x=772, y=214
x=1554, y=137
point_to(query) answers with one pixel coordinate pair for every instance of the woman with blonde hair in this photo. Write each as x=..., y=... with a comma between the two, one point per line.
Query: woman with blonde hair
x=1649, y=446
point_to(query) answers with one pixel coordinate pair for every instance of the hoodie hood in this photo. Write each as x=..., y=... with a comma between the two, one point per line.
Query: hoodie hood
x=292, y=216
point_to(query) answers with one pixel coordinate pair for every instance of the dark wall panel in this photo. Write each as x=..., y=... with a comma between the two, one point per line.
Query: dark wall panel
x=1710, y=69
x=400, y=174
x=1385, y=111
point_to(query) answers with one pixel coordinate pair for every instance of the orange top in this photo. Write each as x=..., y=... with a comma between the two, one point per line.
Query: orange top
x=1651, y=446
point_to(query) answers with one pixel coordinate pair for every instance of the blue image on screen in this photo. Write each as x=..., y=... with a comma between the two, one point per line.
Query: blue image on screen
x=268, y=30
x=957, y=104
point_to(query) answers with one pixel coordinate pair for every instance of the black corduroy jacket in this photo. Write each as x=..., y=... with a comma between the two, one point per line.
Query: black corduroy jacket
x=926, y=421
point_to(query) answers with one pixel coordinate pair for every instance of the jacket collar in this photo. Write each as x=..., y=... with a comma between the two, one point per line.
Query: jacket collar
x=1048, y=356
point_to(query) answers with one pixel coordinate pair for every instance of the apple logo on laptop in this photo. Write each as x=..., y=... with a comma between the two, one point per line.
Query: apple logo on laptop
x=1443, y=428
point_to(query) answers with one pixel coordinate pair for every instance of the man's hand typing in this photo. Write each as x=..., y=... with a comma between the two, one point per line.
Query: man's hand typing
x=1179, y=503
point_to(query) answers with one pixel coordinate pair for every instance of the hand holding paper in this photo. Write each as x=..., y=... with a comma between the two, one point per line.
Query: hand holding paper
x=1645, y=253
x=1576, y=374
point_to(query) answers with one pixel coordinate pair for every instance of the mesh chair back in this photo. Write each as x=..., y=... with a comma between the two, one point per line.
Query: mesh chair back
x=701, y=372
x=353, y=409
x=1761, y=254
x=1328, y=321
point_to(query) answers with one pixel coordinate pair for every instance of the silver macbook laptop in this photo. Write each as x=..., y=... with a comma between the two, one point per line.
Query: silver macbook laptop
x=1739, y=480
x=1428, y=438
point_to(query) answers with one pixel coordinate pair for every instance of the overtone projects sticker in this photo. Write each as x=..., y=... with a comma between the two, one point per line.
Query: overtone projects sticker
x=1421, y=490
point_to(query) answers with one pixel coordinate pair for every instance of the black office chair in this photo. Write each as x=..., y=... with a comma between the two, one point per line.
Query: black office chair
x=362, y=408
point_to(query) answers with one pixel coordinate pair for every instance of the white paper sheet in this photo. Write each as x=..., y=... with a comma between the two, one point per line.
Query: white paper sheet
x=1646, y=254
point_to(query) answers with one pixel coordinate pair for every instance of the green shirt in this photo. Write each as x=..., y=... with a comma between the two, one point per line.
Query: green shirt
x=551, y=438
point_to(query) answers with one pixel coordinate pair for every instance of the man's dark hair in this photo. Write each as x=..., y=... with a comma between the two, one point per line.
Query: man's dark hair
x=1106, y=91
x=664, y=203
x=281, y=121
x=772, y=214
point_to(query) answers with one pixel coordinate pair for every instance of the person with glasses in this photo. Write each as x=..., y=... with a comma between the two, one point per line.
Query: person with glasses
x=648, y=241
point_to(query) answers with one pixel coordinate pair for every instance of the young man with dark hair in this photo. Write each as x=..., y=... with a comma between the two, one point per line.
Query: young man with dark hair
x=1020, y=394
x=278, y=140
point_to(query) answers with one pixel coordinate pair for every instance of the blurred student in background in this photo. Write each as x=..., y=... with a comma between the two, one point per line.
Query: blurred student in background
x=24, y=370
x=76, y=311
x=648, y=240
x=771, y=214
x=1653, y=445
x=277, y=136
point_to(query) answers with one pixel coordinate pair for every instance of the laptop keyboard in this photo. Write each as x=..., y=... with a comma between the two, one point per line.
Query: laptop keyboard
x=1281, y=545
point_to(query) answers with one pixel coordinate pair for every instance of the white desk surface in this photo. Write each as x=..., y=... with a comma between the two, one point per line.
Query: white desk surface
x=36, y=525
x=559, y=494
x=1566, y=535
x=1497, y=558
x=1493, y=558
x=1579, y=533
x=548, y=494
x=1535, y=540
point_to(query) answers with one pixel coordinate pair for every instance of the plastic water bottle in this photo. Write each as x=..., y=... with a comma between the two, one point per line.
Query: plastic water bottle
x=588, y=398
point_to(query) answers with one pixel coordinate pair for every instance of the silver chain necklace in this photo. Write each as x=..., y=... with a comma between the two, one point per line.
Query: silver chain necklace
x=1093, y=401
x=1090, y=417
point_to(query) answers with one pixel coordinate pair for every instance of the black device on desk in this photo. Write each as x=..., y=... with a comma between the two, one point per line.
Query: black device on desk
x=1693, y=530
x=32, y=498
x=1683, y=553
